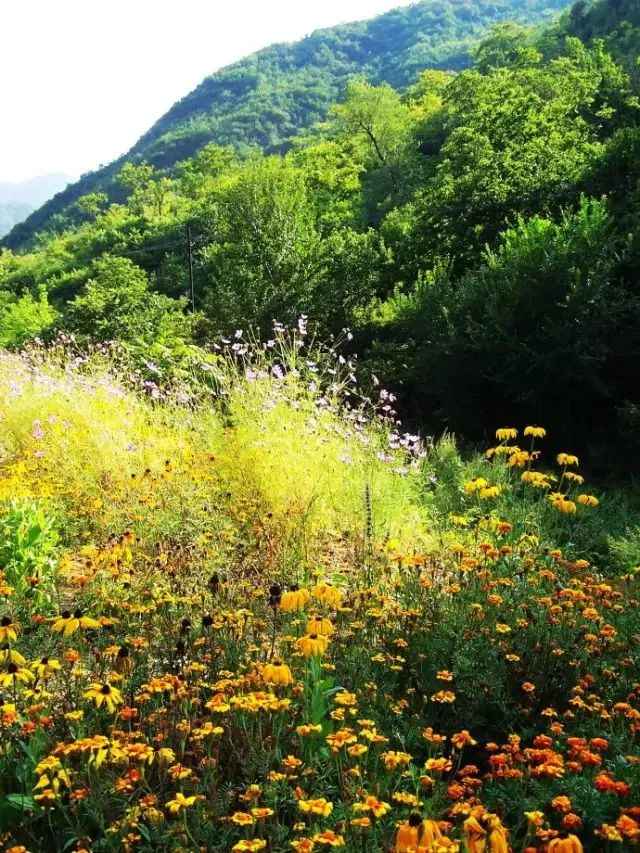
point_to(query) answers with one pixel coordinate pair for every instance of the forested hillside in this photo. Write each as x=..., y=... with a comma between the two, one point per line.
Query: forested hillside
x=273, y=95
x=477, y=232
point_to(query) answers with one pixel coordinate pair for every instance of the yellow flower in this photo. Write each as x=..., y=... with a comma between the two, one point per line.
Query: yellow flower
x=250, y=846
x=277, y=672
x=241, y=818
x=564, y=505
x=588, y=500
x=475, y=485
x=181, y=802
x=294, y=599
x=566, y=459
x=319, y=807
x=313, y=645
x=535, y=431
x=307, y=729
x=262, y=813
x=373, y=805
x=303, y=845
x=327, y=593
x=392, y=759
x=319, y=625
x=104, y=694
x=8, y=630
x=45, y=667
x=506, y=433
x=68, y=624
x=15, y=673
x=444, y=697
x=329, y=837
x=489, y=492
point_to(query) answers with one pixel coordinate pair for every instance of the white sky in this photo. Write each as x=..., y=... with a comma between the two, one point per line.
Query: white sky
x=82, y=80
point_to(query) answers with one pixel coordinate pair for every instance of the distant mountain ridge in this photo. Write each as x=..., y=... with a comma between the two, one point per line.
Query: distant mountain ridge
x=274, y=94
x=19, y=199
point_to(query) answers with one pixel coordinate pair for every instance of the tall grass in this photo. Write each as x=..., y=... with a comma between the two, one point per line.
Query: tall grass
x=276, y=446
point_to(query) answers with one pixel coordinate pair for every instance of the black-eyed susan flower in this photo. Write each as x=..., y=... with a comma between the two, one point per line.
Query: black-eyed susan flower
x=294, y=599
x=9, y=655
x=313, y=645
x=567, y=459
x=320, y=625
x=535, y=431
x=104, y=694
x=8, y=630
x=506, y=433
x=15, y=674
x=45, y=666
x=588, y=500
x=68, y=623
x=327, y=593
x=277, y=672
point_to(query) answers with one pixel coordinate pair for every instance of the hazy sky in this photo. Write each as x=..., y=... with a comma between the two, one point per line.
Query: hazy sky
x=82, y=80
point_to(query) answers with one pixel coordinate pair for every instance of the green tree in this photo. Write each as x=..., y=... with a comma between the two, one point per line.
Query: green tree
x=117, y=304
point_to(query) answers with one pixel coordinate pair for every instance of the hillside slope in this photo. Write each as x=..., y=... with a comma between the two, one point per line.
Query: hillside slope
x=272, y=95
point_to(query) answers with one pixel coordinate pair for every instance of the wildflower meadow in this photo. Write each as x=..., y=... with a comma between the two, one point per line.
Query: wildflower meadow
x=246, y=609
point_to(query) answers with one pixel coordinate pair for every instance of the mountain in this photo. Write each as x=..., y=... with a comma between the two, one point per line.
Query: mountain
x=274, y=94
x=18, y=200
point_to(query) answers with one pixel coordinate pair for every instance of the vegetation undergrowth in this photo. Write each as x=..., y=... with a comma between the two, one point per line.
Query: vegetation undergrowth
x=248, y=611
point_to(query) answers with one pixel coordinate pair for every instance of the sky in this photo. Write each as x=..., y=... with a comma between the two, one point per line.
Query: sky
x=82, y=80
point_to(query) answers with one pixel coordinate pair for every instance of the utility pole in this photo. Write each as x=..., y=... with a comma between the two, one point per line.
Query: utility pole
x=192, y=293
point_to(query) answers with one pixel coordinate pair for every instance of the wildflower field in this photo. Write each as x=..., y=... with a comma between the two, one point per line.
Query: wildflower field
x=246, y=610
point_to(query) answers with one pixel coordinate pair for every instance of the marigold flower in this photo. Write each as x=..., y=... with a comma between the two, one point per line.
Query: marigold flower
x=319, y=807
x=444, y=697
x=561, y=804
x=372, y=804
x=329, y=837
x=303, y=845
x=462, y=739
x=394, y=759
x=241, y=818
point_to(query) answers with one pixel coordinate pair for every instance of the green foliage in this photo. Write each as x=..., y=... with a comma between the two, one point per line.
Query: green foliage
x=27, y=548
x=117, y=304
x=478, y=232
x=25, y=318
x=271, y=96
